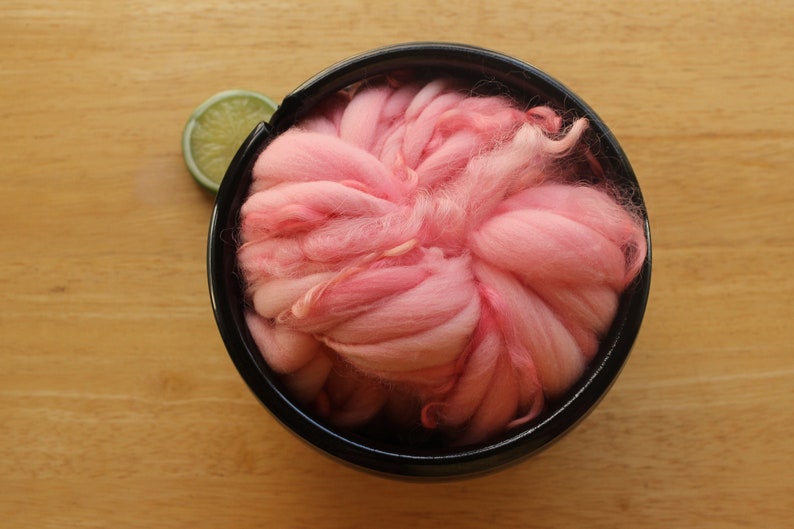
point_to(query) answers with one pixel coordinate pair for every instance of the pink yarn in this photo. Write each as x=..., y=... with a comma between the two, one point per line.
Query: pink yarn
x=415, y=253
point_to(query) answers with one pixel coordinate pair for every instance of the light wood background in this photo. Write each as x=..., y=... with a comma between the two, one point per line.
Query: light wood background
x=118, y=404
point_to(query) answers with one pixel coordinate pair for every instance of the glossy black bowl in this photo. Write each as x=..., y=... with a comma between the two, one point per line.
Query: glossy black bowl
x=486, y=72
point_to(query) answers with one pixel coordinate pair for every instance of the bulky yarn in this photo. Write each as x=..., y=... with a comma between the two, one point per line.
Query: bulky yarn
x=418, y=254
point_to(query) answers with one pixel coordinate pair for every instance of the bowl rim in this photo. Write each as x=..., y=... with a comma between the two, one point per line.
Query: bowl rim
x=225, y=286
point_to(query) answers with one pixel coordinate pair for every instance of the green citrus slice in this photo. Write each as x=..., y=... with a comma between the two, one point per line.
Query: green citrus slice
x=217, y=129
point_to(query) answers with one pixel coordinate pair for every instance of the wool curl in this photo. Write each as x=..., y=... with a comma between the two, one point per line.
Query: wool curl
x=421, y=254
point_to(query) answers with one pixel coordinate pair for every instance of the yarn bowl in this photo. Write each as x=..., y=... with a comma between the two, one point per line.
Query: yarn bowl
x=482, y=70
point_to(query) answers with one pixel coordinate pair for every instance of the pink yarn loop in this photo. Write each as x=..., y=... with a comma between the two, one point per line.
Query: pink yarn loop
x=421, y=254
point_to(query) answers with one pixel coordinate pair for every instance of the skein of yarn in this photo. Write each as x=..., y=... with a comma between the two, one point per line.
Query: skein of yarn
x=417, y=254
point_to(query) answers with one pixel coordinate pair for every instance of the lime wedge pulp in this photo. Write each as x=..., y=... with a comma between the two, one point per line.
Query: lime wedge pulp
x=217, y=129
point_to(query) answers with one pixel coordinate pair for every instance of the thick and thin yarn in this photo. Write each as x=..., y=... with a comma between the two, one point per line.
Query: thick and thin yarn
x=417, y=254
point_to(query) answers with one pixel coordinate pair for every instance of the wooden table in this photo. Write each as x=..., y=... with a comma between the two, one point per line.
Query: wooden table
x=119, y=406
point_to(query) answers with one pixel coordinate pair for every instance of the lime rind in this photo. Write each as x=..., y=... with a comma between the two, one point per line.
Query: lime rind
x=217, y=128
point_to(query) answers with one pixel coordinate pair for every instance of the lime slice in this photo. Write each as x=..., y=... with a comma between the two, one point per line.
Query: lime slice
x=217, y=129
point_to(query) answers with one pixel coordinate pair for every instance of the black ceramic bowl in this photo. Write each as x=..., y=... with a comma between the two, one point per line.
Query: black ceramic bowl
x=485, y=71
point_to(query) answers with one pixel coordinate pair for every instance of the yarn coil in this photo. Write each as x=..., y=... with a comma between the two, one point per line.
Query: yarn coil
x=418, y=254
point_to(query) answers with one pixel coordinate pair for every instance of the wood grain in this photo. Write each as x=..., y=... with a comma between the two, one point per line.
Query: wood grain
x=118, y=404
